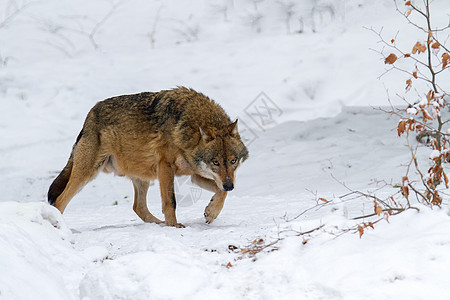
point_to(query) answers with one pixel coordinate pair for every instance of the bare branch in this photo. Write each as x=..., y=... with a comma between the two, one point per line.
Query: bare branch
x=15, y=13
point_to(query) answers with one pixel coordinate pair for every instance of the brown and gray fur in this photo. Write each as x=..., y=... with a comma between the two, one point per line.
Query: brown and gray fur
x=155, y=135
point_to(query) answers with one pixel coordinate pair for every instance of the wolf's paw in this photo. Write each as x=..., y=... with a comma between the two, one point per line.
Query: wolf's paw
x=152, y=219
x=210, y=214
x=175, y=224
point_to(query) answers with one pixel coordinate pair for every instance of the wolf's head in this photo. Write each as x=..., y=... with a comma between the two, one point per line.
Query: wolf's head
x=219, y=154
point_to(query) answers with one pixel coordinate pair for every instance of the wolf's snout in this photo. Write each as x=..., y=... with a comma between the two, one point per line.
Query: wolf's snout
x=228, y=186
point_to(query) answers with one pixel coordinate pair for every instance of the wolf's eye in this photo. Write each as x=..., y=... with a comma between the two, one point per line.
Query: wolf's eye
x=215, y=162
x=233, y=161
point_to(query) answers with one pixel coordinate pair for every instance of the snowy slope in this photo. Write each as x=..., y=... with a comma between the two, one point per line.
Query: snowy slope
x=59, y=57
x=111, y=254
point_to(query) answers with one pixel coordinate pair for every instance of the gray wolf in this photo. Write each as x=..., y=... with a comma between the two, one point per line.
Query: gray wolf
x=155, y=135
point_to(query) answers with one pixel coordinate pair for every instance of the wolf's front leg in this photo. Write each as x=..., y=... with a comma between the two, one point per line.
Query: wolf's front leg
x=215, y=206
x=166, y=178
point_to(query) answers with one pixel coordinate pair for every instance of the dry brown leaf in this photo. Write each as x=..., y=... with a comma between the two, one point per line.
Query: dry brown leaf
x=408, y=13
x=445, y=179
x=378, y=209
x=229, y=265
x=415, y=74
x=232, y=248
x=405, y=180
x=435, y=45
x=434, y=144
x=430, y=96
x=407, y=3
x=360, y=230
x=405, y=191
x=324, y=200
x=419, y=47
x=426, y=115
x=436, y=198
x=411, y=124
x=401, y=127
x=371, y=225
x=404, y=188
x=390, y=59
x=445, y=60
x=392, y=199
x=408, y=85
x=407, y=55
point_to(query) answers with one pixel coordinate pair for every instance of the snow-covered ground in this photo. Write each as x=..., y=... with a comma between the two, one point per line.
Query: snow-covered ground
x=58, y=58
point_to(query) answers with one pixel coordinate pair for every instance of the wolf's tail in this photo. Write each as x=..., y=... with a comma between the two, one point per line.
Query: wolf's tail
x=60, y=182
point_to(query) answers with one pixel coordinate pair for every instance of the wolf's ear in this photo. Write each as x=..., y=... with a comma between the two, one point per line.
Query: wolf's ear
x=203, y=135
x=233, y=128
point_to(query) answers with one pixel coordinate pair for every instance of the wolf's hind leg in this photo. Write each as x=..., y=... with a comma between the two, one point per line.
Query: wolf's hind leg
x=140, y=201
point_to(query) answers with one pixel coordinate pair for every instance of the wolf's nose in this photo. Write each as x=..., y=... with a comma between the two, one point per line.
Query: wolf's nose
x=228, y=186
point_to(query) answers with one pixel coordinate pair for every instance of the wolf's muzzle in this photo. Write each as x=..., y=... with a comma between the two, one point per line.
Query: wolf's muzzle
x=228, y=186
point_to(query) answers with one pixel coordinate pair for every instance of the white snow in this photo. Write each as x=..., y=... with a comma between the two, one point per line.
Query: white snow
x=401, y=266
x=435, y=154
x=36, y=253
x=321, y=131
x=411, y=111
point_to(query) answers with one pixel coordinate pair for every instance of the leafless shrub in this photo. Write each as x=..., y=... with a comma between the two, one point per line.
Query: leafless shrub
x=288, y=11
x=81, y=25
x=223, y=8
x=96, y=25
x=189, y=32
x=254, y=19
x=428, y=59
x=60, y=40
x=152, y=34
x=4, y=60
x=321, y=14
x=13, y=9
